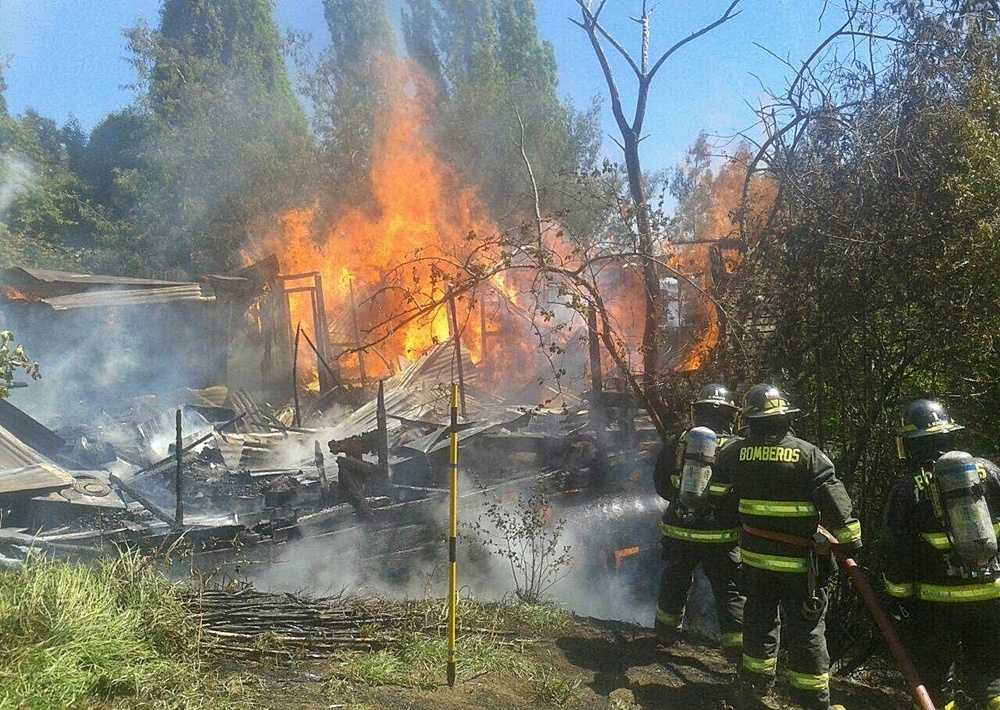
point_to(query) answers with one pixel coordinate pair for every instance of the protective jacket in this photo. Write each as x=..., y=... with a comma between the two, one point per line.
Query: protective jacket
x=707, y=536
x=785, y=485
x=919, y=561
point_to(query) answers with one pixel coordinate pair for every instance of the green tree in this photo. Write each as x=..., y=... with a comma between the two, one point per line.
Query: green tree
x=46, y=218
x=3, y=89
x=501, y=107
x=874, y=283
x=347, y=88
x=228, y=148
x=13, y=359
x=419, y=25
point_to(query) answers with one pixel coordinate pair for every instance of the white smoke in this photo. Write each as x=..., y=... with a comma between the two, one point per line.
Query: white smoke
x=16, y=176
x=588, y=586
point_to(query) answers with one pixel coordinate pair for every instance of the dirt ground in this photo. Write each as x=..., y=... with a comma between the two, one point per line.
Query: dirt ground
x=604, y=665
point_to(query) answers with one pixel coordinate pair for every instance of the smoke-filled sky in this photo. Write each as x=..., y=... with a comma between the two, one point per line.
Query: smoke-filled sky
x=68, y=58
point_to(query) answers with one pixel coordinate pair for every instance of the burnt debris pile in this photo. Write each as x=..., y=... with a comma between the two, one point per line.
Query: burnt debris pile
x=233, y=481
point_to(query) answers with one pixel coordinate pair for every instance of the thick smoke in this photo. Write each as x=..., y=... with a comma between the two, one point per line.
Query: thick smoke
x=97, y=360
x=589, y=585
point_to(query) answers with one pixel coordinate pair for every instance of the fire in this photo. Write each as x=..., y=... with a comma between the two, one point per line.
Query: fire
x=383, y=254
x=695, y=261
x=12, y=294
x=384, y=287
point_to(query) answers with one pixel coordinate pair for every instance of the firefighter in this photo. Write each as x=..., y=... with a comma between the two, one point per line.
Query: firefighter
x=785, y=487
x=941, y=564
x=700, y=525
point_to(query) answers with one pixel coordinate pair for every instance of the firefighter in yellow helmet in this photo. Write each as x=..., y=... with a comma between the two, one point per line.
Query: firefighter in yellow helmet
x=941, y=563
x=785, y=487
x=700, y=525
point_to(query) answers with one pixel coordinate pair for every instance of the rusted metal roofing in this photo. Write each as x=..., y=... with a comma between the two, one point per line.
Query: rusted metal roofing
x=24, y=469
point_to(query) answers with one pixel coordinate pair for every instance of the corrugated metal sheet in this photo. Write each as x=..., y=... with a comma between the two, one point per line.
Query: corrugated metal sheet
x=420, y=392
x=24, y=469
x=63, y=290
x=66, y=277
x=134, y=297
x=406, y=395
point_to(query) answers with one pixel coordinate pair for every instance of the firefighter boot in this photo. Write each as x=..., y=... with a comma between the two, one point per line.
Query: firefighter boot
x=749, y=693
x=667, y=628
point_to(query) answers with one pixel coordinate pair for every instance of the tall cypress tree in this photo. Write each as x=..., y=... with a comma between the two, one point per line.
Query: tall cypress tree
x=497, y=69
x=418, y=35
x=229, y=148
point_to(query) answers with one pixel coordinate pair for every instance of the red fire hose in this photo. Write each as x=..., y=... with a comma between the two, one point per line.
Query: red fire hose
x=917, y=690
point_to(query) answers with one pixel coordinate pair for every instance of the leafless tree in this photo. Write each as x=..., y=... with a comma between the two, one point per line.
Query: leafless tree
x=644, y=71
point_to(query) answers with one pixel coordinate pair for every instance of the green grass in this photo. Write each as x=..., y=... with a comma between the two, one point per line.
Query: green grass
x=419, y=661
x=114, y=635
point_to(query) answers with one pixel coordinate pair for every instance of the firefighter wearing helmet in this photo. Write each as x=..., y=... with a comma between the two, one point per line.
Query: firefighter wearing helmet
x=941, y=563
x=700, y=525
x=785, y=487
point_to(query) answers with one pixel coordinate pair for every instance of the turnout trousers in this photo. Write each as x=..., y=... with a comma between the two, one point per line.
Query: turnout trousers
x=803, y=636
x=945, y=636
x=720, y=562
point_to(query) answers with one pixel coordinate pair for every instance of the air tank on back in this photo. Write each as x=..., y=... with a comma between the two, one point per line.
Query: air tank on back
x=699, y=455
x=970, y=524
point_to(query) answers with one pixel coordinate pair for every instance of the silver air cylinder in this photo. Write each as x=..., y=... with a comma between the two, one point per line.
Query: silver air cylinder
x=970, y=525
x=699, y=455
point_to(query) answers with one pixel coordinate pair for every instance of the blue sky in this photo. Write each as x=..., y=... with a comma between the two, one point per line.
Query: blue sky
x=68, y=57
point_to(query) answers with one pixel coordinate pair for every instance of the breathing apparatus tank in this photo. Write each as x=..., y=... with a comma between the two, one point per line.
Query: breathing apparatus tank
x=699, y=455
x=972, y=535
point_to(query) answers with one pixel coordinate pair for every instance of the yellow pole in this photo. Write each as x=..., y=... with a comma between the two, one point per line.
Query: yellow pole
x=453, y=539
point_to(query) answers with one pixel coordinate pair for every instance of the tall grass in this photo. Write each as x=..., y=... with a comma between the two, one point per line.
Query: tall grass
x=106, y=636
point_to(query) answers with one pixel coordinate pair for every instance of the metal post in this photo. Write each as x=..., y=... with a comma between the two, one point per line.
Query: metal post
x=324, y=486
x=482, y=330
x=322, y=332
x=596, y=374
x=383, y=431
x=453, y=539
x=178, y=479
x=597, y=414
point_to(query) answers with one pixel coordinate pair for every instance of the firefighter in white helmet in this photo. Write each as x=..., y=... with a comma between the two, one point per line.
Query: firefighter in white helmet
x=941, y=563
x=700, y=526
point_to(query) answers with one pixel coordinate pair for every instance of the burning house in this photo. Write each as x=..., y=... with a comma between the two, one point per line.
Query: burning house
x=239, y=413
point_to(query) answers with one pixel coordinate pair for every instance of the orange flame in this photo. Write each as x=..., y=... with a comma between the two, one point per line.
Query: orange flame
x=12, y=294
x=421, y=212
x=725, y=191
x=380, y=264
